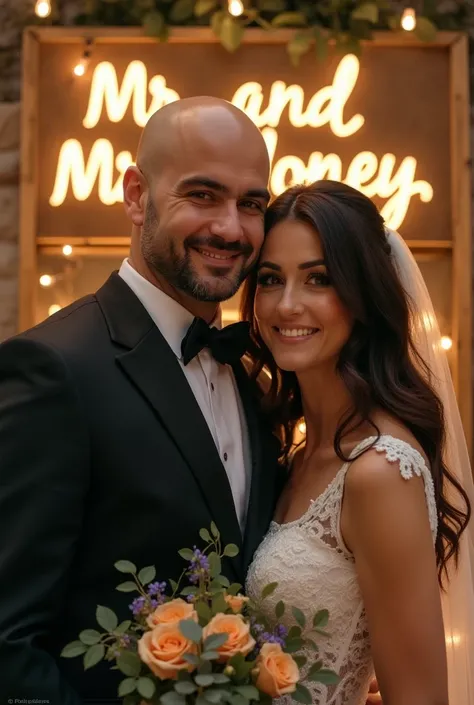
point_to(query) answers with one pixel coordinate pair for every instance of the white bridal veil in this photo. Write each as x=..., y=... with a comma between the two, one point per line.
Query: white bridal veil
x=458, y=602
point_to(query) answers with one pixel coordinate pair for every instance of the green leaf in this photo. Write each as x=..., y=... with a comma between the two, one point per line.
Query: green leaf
x=186, y=553
x=201, y=8
x=214, y=641
x=299, y=616
x=215, y=695
x=295, y=632
x=269, y=590
x=315, y=668
x=185, y=687
x=311, y=644
x=326, y=676
x=126, y=567
x=215, y=565
x=191, y=658
x=280, y=609
x=209, y=655
x=219, y=604
x=320, y=43
x=93, y=655
x=123, y=627
x=220, y=581
x=425, y=29
x=106, y=618
x=189, y=590
x=172, y=698
x=216, y=25
x=290, y=19
x=204, y=680
x=204, y=611
x=234, y=589
x=127, y=686
x=173, y=584
x=302, y=695
x=89, y=637
x=293, y=645
x=202, y=700
x=248, y=691
x=231, y=33
x=237, y=699
x=231, y=550
x=74, y=648
x=214, y=530
x=300, y=661
x=181, y=10
x=298, y=46
x=128, y=586
x=146, y=687
x=205, y=535
x=147, y=575
x=221, y=678
x=321, y=619
x=190, y=630
x=367, y=11
x=129, y=663
x=153, y=23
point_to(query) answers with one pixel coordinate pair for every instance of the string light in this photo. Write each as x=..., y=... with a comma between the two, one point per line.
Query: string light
x=81, y=67
x=408, y=19
x=236, y=7
x=46, y=280
x=446, y=342
x=43, y=8
x=67, y=250
x=53, y=309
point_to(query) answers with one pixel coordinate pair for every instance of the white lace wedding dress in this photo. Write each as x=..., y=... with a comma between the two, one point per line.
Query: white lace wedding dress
x=315, y=570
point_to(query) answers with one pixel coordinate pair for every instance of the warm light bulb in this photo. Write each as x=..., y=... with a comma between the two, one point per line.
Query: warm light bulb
x=43, y=8
x=453, y=639
x=408, y=19
x=67, y=250
x=236, y=7
x=80, y=68
x=446, y=342
x=46, y=280
x=302, y=427
x=53, y=309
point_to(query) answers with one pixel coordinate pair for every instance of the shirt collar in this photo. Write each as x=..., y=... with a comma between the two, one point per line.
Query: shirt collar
x=171, y=319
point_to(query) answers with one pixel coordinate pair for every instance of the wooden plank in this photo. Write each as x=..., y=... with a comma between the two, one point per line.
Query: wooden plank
x=461, y=229
x=28, y=182
x=123, y=35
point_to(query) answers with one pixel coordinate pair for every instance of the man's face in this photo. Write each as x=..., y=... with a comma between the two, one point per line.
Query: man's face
x=203, y=225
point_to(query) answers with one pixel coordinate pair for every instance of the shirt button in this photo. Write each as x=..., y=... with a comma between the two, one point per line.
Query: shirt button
x=225, y=456
x=212, y=387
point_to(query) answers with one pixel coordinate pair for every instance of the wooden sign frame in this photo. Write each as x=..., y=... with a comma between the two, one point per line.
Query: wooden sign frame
x=460, y=243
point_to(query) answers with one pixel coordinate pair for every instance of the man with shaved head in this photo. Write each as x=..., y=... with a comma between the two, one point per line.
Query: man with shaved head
x=127, y=421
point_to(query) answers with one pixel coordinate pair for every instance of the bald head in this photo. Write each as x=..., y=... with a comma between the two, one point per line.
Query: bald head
x=199, y=125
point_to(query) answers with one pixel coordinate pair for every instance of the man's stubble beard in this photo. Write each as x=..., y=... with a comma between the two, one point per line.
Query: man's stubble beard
x=177, y=270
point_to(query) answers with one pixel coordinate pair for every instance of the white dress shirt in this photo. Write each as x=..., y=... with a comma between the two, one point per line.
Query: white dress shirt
x=212, y=384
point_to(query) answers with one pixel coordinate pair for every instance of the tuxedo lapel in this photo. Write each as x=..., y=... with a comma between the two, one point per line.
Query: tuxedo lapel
x=152, y=366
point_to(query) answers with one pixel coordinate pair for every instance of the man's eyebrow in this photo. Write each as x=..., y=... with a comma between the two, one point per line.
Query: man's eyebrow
x=200, y=180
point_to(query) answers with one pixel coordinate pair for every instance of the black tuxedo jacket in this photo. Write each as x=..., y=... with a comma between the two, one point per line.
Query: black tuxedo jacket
x=104, y=455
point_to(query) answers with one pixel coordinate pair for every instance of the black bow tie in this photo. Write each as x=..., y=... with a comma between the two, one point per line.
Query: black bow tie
x=227, y=345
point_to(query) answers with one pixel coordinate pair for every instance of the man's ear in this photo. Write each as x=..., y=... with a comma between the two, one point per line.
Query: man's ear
x=135, y=193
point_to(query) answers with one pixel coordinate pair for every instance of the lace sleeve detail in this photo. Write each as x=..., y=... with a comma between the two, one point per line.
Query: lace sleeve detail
x=411, y=463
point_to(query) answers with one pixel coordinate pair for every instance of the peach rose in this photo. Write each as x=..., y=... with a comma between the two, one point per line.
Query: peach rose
x=278, y=673
x=163, y=648
x=236, y=602
x=172, y=613
x=239, y=639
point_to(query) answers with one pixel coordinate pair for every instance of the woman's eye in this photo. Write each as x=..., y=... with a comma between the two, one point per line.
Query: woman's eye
x=267, y=280
x=320, y=278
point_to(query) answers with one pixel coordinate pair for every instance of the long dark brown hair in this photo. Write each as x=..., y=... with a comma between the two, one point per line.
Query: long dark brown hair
x=379, y=363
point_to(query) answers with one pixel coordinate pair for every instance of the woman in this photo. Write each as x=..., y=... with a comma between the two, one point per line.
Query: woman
x=372, y=517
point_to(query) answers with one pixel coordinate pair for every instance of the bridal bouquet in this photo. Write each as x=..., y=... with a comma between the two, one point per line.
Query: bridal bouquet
x=201, y=644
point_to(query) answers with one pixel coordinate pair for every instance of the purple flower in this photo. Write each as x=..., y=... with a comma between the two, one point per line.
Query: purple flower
x=137, y=605
x=278, y=635
x=198, y=566
x=156, y=589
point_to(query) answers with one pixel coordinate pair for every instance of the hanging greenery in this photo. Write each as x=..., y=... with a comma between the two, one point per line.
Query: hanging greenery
x=315, y=22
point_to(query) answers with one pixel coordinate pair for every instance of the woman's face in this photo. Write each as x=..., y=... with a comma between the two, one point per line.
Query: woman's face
x=300, y=316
